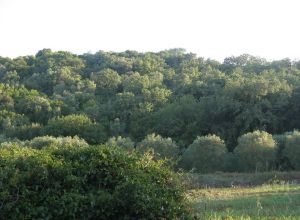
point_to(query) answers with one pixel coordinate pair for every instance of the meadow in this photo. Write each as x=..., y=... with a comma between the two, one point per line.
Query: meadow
x=275, y=201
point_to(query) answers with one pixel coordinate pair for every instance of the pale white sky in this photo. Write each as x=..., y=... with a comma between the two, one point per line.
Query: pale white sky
x=210, y=28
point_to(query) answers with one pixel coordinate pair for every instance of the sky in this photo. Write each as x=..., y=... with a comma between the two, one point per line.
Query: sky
x=210, y=28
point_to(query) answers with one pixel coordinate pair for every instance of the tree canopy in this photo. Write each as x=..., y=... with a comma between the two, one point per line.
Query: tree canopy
x=171, y=93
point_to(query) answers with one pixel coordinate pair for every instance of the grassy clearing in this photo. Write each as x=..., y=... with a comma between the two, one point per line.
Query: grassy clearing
x=195, y=181
x=261, y=202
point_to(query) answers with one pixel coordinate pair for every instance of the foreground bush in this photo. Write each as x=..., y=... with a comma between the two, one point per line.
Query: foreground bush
x=205, y=154
x=256, y=151
x=86, y=183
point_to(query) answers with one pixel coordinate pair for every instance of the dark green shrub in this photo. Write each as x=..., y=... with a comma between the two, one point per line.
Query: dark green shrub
x=292, y=149
x=205, y=154
x=47, y=141
x=256, y=151
x=230, y=162
x=24, y=132
x=86, y=183
x=282, y=161
x=125, y=143
x=161, y=147
x=72, y=125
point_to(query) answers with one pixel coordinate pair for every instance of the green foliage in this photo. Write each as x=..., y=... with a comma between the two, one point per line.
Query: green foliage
x=68, y=125
x=10, y=119
x=125, y=143
x=205, y=154
x=135, y=83
x=76, y=125
x=24, y=132
x=107, y=82
x=3, y=138
x=49, y=141
x=256, y=151
x=36, y=108
x=282, y=161
x=177, y=120
x=161, y=147
x=130, y=94
x=230, y=162
x=157, y=96
x=292, y=149
x=77, y=182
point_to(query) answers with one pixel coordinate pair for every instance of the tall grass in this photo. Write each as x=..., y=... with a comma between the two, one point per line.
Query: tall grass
x=261, y=202
x=219, y=179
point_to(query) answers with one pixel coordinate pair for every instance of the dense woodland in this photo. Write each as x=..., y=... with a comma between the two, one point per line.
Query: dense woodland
x=238, y=115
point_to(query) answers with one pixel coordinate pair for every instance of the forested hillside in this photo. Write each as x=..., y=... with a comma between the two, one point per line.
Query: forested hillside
x=170, y=101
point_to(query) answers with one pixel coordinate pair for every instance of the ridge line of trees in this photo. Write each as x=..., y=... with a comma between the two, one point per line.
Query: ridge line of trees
x=173, y=94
